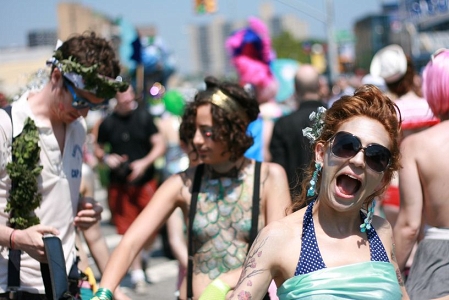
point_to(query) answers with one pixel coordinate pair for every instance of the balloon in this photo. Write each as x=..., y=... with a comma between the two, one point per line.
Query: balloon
x=284, y=71
x=174, y=102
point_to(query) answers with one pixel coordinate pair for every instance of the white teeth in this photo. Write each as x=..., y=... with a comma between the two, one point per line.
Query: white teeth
x=353, y=177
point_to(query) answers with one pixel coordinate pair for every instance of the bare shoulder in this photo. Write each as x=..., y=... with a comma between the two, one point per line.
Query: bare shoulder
x=381, y=225
x=279, y=243
x=274, y=169
x=180, y=184
x=384, y=231
x=187, y=176
x=428, y=137
x=284, y=230
x=274, y=173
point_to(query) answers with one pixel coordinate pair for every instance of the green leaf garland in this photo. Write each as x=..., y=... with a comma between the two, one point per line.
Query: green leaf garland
x=24, y=170
x=104, y=87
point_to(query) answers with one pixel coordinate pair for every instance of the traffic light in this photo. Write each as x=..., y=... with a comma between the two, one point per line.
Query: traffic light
x=205, y=6
x=199, y=8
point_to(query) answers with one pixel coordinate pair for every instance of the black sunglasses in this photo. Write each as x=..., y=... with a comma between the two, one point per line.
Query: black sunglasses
x=347, y=145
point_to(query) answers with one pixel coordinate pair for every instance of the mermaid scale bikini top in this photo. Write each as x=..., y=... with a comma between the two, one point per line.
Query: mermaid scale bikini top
x=310, y=259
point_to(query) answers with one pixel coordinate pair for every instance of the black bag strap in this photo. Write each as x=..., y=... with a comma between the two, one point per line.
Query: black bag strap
x=8, y=111
x=192, y=212
x=54, y=273
x=14, y=254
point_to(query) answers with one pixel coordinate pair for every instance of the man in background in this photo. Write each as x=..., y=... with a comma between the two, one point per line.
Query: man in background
x=133, y=143
x=288, y=146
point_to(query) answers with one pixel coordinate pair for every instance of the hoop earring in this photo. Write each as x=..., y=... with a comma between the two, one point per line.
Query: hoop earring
x=369, y=218
x=312, y=189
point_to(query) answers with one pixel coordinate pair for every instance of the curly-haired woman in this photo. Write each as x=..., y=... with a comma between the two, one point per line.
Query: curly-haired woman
x=215, y=126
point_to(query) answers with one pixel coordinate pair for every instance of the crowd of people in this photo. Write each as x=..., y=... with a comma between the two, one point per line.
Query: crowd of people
x=342, y=197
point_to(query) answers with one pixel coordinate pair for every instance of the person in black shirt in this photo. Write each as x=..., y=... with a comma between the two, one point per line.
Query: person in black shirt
x=134, y=144
x=288, y=146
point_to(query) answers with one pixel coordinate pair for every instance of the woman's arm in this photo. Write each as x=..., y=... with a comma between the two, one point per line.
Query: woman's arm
x=258, y=268
x=177, y=237
x=393, y=260
x=408, y=224
x=385, y=233
x=165, y=200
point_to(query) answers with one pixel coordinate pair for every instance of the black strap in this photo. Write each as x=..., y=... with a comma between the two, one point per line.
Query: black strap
x=192, y=212
x=14, y=269
x=54, y=273
x=8, y=111
x=255, y=209
x=14, y=255
x=46, y=278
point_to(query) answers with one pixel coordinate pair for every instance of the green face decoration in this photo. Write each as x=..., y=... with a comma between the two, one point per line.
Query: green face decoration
x=87, y=78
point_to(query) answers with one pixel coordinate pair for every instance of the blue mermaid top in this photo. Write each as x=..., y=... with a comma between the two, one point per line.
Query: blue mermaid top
x=375, y=279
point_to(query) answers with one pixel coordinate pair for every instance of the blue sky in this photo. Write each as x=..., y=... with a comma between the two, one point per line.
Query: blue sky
x=172, y=17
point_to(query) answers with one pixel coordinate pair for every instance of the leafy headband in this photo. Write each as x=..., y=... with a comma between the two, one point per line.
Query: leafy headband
x=87, y=78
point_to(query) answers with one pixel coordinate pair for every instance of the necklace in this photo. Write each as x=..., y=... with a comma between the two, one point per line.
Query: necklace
x=23, y=171
x=232, y=173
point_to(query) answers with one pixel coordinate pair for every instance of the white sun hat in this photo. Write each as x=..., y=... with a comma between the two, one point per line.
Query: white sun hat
x=390, y=63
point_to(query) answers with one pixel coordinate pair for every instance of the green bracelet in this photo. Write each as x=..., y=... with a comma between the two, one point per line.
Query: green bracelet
x=216, y=290
x=103, y=294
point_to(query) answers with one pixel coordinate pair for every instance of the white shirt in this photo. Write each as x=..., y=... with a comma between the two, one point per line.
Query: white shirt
x=59, y=184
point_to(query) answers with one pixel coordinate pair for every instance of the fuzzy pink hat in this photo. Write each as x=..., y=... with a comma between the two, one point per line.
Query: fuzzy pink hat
x=251, y=52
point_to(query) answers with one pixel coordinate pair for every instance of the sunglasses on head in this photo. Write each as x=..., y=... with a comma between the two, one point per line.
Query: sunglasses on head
x=347, y=145
x=79, y=102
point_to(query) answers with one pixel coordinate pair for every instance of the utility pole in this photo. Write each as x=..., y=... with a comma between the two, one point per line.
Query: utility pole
x=331, y=44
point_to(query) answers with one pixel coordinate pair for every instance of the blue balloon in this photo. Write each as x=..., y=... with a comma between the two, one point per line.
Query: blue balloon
x=284, y=71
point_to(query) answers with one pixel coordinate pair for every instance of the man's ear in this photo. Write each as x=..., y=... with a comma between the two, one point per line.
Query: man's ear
x=56, y=78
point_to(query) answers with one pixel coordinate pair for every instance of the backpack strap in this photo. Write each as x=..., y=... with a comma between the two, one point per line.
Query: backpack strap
x=192, y=212
x=14, y=255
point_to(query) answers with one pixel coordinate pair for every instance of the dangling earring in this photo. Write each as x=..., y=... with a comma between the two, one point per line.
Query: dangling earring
x=312, y=189
x=369, y=217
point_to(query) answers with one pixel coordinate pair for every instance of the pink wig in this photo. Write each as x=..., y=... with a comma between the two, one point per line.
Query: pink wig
x=251, y=52
x=436, y=83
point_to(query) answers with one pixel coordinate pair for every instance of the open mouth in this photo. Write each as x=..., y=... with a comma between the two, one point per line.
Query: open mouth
x=348, y=185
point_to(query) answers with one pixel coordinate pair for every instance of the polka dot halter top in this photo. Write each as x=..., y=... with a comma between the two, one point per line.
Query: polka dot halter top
x=310, y=259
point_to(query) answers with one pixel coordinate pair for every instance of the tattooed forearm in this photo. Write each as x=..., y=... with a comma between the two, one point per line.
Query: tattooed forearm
x=244, y=295
x=399, y=276
x=250, y=265
x=393, y=253
x=398, y=272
